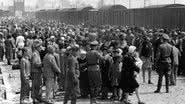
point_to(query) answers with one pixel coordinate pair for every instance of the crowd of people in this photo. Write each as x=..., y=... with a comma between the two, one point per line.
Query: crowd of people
x=89, y=61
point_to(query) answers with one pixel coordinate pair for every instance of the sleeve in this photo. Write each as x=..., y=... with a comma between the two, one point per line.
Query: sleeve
x=158, y=54
x=71, y=66
x=100, y=57
x=57, y=57
x=16, y=42
x=12, y=42
x=54, y=65
x=23, y=68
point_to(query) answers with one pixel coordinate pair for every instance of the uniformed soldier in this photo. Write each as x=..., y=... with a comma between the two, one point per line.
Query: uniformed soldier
x=95, y=82
x=36, y=71
x=164, y=60
x=49, y=73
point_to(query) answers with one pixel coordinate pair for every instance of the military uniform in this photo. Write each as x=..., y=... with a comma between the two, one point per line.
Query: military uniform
x=94, y=73
x=164, y=59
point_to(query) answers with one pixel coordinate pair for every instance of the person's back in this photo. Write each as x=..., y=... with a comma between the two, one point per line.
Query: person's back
x=92, y=58
x=147, y=49
x=165, y=53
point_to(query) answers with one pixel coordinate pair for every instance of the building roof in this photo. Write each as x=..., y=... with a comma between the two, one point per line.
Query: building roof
x=165, y=6
x=112, y=7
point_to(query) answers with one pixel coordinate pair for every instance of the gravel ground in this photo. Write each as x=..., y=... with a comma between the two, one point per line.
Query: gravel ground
x=176, y=95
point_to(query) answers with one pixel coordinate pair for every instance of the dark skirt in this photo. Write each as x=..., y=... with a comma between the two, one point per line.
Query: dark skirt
x=84, y=83
x=128, y=83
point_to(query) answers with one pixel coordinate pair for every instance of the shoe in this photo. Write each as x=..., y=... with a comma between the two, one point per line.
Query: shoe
x=157, y=91
x=141, y=103
x=126, y=102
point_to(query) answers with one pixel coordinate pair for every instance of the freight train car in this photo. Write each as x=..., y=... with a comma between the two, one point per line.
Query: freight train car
x=162, y=16
x=106, y=14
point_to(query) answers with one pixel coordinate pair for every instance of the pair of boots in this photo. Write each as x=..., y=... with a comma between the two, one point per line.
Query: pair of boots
x=73, y=101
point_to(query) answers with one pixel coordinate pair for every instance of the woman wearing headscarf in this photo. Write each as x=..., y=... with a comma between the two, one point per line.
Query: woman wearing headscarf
x=129, y=73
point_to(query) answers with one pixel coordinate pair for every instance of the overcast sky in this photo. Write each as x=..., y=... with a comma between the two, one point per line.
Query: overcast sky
x=134, y=3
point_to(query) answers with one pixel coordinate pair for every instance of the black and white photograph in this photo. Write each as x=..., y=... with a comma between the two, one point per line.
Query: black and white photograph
x=92, y=51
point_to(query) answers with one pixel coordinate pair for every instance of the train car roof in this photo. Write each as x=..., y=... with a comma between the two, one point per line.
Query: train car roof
x=112, y=7
x=165, y=6
x=85, y=8
x=68, y=9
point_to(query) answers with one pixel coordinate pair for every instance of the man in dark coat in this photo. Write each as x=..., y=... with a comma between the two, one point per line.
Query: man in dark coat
x=72, y=89
x=164, y=61
x=9, y=45
x=95, y=81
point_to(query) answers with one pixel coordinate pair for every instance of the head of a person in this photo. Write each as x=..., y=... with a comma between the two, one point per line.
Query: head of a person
x=52, y=38
x=9, y=37
x=94, y=45
x=75, y=51
x=83, y=54
x=50, y=49
x=25, y=52
x=165, y=38
x=131, y=50
x=37, y=45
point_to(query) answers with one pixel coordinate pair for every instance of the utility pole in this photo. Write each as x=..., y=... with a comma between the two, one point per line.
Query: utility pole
x=174, y=1
x=144, y=3
x=114, y=2
x=129, y=3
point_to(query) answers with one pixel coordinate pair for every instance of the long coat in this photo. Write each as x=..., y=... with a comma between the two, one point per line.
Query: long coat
x=72, y=82
x=50, y=66
x=128, y=81
x=9, y=45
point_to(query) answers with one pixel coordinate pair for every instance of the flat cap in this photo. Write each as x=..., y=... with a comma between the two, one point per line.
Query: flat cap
x=165, y=36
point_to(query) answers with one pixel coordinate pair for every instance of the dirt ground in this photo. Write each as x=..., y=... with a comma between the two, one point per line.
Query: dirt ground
x=176, y=95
